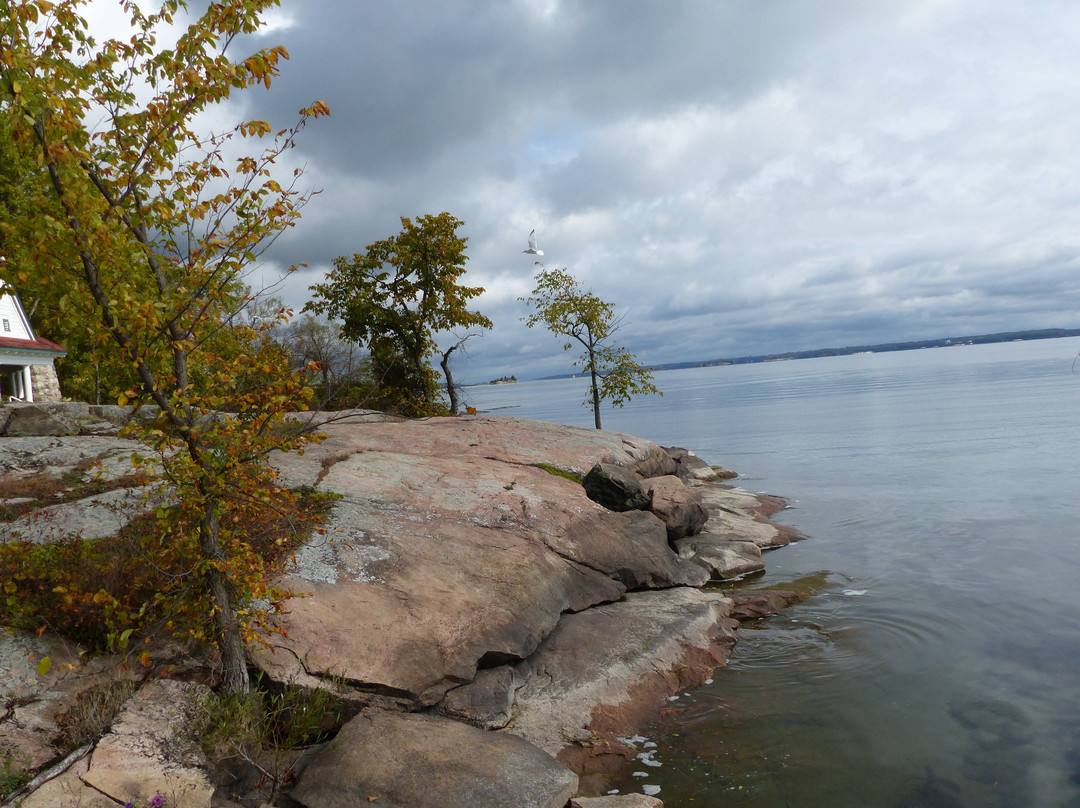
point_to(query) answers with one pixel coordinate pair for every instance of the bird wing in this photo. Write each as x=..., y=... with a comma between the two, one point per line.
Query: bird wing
x=532, y=240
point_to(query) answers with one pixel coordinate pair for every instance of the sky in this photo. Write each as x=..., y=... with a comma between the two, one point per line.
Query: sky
x=737, y=177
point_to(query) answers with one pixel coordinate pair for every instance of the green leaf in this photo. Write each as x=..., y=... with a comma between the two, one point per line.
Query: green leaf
x=44, y=666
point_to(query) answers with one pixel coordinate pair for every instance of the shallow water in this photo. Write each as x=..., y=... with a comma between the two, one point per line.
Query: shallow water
x=940, y=663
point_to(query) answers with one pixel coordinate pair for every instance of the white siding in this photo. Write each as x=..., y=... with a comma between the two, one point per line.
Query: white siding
x=12, y=321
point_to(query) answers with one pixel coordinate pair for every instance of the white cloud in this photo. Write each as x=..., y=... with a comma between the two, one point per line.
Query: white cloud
x=742, y=177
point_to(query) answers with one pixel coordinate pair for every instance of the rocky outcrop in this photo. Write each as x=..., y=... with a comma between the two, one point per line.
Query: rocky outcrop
x=496, y=627
x=457, y=560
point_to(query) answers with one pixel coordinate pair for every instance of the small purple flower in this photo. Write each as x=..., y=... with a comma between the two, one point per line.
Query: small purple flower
x=157, y=802
x=129, y=805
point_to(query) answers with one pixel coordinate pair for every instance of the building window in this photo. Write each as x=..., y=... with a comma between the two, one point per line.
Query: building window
x=7, y=324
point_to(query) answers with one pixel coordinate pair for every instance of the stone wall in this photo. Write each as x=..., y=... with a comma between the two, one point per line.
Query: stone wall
x=46, y=384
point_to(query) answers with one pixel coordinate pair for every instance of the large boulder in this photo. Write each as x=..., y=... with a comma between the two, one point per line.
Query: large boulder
x=678, y=506
x=616, y=488
x=43, y=419
x=402, y=760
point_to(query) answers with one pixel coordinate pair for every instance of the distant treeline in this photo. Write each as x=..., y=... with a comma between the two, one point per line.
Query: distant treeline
x=1011, y=336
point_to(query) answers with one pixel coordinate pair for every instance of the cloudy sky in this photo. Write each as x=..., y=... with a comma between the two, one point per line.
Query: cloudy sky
x=738, y=176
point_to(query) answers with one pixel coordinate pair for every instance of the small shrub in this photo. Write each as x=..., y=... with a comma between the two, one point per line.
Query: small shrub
x=268, y=727
x=14, y=772
x=106, y=592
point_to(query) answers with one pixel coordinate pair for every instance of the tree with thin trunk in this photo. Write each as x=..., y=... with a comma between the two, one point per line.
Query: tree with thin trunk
x=567, y=310
x=451, y=390
x=162, y=222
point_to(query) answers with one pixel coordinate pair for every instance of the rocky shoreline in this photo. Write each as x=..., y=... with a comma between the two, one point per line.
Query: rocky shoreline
x=494, y=629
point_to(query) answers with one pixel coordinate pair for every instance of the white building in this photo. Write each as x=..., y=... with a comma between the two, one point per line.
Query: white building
x=26, y=360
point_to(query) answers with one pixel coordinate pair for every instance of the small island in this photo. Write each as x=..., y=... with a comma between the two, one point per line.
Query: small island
x=504, y=380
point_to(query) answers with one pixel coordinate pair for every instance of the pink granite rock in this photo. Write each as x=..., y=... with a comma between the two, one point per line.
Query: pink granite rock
x=450, y=549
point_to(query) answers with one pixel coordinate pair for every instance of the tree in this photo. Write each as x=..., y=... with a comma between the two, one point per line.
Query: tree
x=451, y=390
x=340, y=366
x=395, y=297
x=565, y=309
x=156, y=228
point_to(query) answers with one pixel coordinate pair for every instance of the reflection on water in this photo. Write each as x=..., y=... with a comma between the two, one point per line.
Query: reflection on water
x=938, y=665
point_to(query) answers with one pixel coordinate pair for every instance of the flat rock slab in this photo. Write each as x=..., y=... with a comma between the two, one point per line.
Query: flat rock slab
x=510, y=440
x=39, y=699
x=406, y=760
x=736, y=515
x=602, y=673
x=152, y=749
x=93, y=517
x=58, y=455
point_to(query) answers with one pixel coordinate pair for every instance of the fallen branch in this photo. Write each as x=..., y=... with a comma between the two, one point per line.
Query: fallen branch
x=16, y=797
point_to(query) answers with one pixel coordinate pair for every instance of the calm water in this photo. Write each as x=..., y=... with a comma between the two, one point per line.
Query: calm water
x=939, y=663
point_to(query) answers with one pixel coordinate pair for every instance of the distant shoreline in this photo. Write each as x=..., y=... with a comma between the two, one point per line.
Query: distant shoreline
x=884, y=347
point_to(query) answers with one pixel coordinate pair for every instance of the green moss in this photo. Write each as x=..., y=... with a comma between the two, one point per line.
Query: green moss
x=558, y=472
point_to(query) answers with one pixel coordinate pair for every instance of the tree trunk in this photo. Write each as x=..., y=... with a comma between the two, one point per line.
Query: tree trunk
x=450, y=391
x=595, y=389
x=234, y=675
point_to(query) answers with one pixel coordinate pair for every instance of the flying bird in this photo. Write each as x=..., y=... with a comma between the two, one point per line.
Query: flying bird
x=532, y=245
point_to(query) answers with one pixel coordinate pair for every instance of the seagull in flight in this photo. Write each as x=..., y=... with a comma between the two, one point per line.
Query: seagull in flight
x=532, y=245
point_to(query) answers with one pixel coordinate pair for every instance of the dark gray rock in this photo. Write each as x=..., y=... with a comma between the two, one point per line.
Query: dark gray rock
x=486, y=702
x=407, y=760
x=40, y=419
x=616, y=488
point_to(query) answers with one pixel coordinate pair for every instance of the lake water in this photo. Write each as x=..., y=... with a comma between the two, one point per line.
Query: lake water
x=938, y=665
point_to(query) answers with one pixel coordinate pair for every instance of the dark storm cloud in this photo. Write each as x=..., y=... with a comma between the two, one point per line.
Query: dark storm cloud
x=741, y=177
